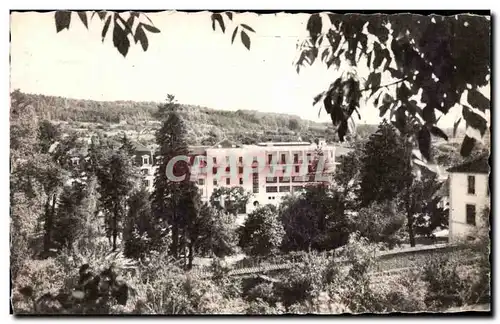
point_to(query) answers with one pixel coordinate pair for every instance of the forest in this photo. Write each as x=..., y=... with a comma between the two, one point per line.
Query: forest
x=89, y=239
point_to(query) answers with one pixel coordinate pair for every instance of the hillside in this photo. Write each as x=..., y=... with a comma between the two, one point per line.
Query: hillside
x=205, y=126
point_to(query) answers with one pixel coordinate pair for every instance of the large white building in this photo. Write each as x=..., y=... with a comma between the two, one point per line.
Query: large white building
x=269, y=171
x=469, y=197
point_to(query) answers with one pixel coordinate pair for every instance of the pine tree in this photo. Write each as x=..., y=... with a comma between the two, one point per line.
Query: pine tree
x=167, y=193
x=116, y=180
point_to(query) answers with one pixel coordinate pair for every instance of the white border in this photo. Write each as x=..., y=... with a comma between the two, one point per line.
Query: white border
x=180, y=4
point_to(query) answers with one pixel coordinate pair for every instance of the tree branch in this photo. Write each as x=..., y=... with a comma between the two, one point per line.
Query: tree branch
x=384, y=85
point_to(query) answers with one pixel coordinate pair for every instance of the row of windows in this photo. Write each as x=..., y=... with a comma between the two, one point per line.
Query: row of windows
x=283, y=188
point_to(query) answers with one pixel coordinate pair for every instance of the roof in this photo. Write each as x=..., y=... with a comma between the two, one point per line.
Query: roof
x=478, y=165
x=138, y=147
x=225, y=144
x=284, y=144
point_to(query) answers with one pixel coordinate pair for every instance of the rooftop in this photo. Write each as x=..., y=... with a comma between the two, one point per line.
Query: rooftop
x=478, y=165
x=284, y=144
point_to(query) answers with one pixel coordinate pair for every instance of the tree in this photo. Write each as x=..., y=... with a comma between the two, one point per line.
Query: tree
x=314, y=220
x=69, y=219
x=431, y=54
x=127, y=145
x=217, y=232
x=386, y=170
x=116, y=181
x=379, y=223
x=231, y=200
x=262, y=232
x=139, y=225
x=165, y=199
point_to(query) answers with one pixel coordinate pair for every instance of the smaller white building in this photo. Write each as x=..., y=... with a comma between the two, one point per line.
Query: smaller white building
x=469, y=197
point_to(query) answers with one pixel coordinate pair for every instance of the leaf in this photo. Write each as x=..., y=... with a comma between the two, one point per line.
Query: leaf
x=467, y=146
x=424, y=142
x=245, y=39
x=229, y=14
x=218, y=17
x=120, y=40
x=314, y=26
x=317, y=98
x=63, y=19
x=438, y=132
x=478, y=100
x=247, y=27
x=455, y=126
x=140, y=36
x=105, y=28
x=102, y=15
x=83, y=18
x=373, y=82
x=130, y=23
x=474, y=120
x=151, y=29
x=234, y=34
x=387, y=102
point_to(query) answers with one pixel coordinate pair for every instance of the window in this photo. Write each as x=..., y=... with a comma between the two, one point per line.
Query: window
x=240, y=159
x=269, y=158
x=283, y=158
x=214, y=170
x=284, y=189
x=145, y=160
x=271, y=179
x=145, y=171
x=255, y=181
x=295, y=158
x=241, y=181
x=215, y=183
x=228, y=181
x=240, y=170
x=215, y=160
x=285, y=179
x=471, y=185
x=272, y=189
x=145, y=183
x=470, y=211
x=297, y=169
x=228, y=169
x=201, y=182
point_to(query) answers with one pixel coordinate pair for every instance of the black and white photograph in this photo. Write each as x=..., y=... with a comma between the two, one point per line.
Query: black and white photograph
x=250, y=162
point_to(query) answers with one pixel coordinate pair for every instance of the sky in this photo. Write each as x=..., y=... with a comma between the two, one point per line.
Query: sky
x=188, y=59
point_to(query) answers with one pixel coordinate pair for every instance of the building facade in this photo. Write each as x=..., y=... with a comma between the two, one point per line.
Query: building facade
x=269, y=171
x=469, y=198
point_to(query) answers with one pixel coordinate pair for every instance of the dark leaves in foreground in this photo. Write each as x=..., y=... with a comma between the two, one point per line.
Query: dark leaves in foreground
x=427, y=54
x=122, y=29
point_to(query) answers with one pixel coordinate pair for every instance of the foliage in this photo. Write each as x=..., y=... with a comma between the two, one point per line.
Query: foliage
x=379, y=223
x=232, y=200
x=314, y=220
x=116, y=180
x=262, y=232
x=386, y=153
x=217, y=232
x=419, y=54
